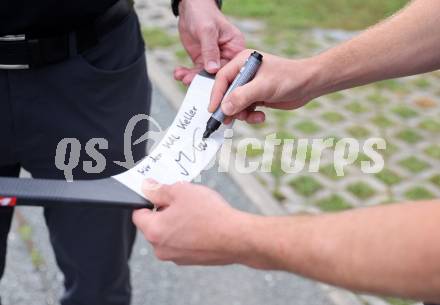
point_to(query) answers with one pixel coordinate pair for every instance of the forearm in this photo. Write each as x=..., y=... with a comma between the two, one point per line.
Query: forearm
x=404, y=44
x=393, y=250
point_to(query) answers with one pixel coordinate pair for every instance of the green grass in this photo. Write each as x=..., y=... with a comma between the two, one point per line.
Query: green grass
x=291, y=50
x=329, y=171
x=307, y=127
x=356, y=107
x=388, y=177
x=305, y=185
x=392, y=85
x=289, y=14
x=422, y=83
x=404, y=112
x=276, y=171
x=382, y=121
x=362, y=157
x=25, y=232
x=284, y=135
x=250, y=151
x=413, y=164
x=332, y=117
x=37, y=258
x=378, y=99
x=283, y=116
x=336, y=96
x=433, y=151
x=396, y=301
x=430, y=125
x=333, y=203
x=435, y=180
x=312, y=105
x=358, y=131
x=158, y=38
x=409, y=136
x=278, y=195
x=361, y=190
x=182, y=55
x=418, y=193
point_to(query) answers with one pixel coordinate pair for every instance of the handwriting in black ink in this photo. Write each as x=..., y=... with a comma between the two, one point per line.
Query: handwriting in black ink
x=201, y=146
x=187, y=118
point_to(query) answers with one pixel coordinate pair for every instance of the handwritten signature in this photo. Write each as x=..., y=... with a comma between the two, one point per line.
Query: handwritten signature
x=182, y=156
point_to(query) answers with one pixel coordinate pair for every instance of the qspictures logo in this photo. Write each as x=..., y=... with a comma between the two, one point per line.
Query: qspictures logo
x=295, y=155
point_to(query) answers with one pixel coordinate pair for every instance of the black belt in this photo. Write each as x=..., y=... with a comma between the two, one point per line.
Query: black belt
x=21, y=52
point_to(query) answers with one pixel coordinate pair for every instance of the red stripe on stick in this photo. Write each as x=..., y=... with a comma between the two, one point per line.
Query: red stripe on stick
x=8, y=201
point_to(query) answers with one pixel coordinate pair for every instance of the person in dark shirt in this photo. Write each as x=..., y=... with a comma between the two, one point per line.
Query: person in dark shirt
x=77, y=70
x=391, y=249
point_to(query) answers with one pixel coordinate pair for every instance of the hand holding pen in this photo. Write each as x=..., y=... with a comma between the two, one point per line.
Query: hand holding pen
x=280, y=83
x=245, y=75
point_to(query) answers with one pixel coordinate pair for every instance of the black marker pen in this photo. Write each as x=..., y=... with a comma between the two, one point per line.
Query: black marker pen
x=246, y=74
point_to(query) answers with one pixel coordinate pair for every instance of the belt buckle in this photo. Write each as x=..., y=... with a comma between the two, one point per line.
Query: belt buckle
x=13, y=38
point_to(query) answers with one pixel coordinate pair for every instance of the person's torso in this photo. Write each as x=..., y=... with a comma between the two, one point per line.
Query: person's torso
x=43, y=17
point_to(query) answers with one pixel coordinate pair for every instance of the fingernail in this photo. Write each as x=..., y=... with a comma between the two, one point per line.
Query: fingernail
x=212, y=65
x=259, y=119
x=227, y=108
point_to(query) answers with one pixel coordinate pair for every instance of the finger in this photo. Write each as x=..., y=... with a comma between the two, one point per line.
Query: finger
x=159, y=194
x=141, y=218
x=241, y=98
x=256, y=117
x=210, y=48
x=224, y=77
x=180, y=73
x=228, y=120
x=242, y=116
x=188, y=78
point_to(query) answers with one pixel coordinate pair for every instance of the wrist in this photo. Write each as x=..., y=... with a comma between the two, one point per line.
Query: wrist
x=337, y=70
x=304, y=86
x=240, y=236
x=254, y=242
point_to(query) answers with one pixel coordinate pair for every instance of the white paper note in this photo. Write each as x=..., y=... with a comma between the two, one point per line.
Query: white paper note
x=182, y=153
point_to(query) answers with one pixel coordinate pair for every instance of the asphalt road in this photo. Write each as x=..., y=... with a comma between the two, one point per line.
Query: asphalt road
x=155, y=282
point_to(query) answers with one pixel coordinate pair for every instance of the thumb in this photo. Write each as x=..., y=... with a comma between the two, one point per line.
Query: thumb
x=141, y=218
x=158, y=194
x=210, y=49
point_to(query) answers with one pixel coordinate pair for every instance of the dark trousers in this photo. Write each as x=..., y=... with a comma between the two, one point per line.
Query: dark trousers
x=91, y=95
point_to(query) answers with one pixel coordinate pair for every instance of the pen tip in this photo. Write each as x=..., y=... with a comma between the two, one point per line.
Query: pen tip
x=206, y=134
